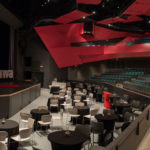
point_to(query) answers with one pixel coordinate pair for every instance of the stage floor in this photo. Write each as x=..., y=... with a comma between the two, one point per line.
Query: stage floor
x=10, y=87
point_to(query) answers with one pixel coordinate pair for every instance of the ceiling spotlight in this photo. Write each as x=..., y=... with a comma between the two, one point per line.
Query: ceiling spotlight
x=94, y=12
x=83, y=17
x=103, y=6
x=149, y=21
x=118, y=7
x=109, y=25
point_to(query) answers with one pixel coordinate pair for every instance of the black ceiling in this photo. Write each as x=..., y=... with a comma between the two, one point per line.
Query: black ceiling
x=43, y=12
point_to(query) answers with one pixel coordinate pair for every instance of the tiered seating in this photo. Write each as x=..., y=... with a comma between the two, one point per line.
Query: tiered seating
x=140, y=84
x=118, y=75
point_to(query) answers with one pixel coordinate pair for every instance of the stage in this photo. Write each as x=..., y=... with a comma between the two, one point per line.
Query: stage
x=15, y=95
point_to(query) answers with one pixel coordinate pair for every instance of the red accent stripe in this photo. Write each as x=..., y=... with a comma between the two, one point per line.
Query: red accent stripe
x=9, y=85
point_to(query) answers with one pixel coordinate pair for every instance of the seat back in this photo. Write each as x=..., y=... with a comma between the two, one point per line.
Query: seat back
x=54, y=101
x=73, y=111
x=93, y=112
x=97, y=127
x=85, y=130
x=46, y=118
x=25, y=133
x=90, y=95
x=2, y=146
x=3, y=135
x=68, y=100
x=128, y=117
x=97, y=106
x=25, y=116
x=30, y=123
x=77, y=97
x=42, y=107
x=80, y=104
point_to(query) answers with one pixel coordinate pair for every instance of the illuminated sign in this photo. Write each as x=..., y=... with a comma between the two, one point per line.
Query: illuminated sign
x=6, y=74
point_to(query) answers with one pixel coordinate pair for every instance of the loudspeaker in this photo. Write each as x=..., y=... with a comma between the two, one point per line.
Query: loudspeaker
x=88, y=28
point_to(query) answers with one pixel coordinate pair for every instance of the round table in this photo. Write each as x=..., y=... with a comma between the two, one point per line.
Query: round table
x=36, y=113
x=60, y=141
x=108, y=121
x=84, y=110
x=121, y=106
x=12, y=127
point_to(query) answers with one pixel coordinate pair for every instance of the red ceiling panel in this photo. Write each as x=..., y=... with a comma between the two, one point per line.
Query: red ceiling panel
x=72, y=16
x=94, y=2
x=111, y=20
x=69, y=56
x=144, y=1
x=132, y=19
x=58, y=38
x=147, y=13
x=137, y=9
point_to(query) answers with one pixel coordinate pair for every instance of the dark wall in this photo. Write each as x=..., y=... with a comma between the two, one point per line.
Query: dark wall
x=42, y=64
x=4, y=45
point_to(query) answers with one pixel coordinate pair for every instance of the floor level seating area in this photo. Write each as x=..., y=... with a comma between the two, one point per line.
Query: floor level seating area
x=76, y=115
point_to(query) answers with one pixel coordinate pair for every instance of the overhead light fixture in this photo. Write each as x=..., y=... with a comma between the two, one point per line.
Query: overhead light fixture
x=83, y=17
x=149, y=21
x=94, y=12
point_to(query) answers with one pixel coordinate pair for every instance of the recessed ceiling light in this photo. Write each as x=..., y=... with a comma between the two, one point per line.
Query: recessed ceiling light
x=149, y=21
x=109, y=25
x=94, y=12
x=83, y=17
x=103, y=6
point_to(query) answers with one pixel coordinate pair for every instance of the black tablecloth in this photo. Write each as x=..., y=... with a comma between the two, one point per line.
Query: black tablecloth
x=60, y=141
x=85, y=110
x=109, y=121
x=12, y=127
x=54, y=89
x=36, y=113
x=121, y=106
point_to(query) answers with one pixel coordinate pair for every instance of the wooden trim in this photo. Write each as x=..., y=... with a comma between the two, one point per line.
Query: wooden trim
x=7, y=95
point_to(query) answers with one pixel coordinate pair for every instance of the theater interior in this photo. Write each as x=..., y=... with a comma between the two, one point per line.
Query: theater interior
x=74, y=74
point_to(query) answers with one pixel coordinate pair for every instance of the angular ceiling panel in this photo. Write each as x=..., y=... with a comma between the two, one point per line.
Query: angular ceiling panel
x=72, y=16
x=111, y=20
x=58, y=39
x=132, y=18
x=137, y=9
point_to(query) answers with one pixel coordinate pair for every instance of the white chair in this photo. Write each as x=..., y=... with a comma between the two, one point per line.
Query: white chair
x=3, y=146
x=23, y=136
x=3, y=137
x=73, y=112
x=67, y=103
x=92, y=114
x=42, y=107
x=54, y=103
x=45, y=120
x=24, y=117
x=30, y=124
x=80, y=104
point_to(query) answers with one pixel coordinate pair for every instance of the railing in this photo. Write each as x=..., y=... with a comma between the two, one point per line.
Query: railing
x=133, y=135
